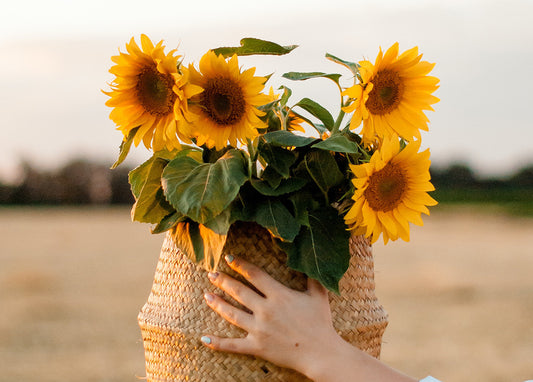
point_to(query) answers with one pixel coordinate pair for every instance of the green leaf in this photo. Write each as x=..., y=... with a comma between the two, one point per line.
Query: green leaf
x=321, y=129
x=212, y=155
x=303, y=202
x=221, y=223
x=323, y=169
x=150, y=204
x=201, y=191
x=188, y=238
x=168, y=222
x=302, y=76
x=273, y=177
x=352, y=66
x=288, y=139
x=280, y=159
x=250, y=46
x=176, y=171
x=277, y=219
x=318, y=111
x=285, y=96
x=125, y=146
x=321, y=251
x=338, y=143
x=286, y=186
x=197, y=242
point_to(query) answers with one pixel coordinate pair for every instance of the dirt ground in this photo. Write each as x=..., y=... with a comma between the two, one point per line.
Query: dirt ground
x=459, y=296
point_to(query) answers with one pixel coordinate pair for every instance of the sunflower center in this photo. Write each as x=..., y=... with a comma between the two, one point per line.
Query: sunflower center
x=386, y=93
x=154, y=91
x=223, y=100
x=386, y=188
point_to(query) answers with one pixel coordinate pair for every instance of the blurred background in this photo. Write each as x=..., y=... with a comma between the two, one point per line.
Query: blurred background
x=75, y=271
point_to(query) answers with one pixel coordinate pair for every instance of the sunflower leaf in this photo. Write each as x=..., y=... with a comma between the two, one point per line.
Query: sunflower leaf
x=302, y=76
x=285, y=96
x=124, y=149
x=321, y=250
x=187, y=237
x=321, y=129
x=352, y=66
x=318, y=111
x=150, y=203
x=276, y=218
x=280, y=159
x=288, y=139
x=302, y=203
x=286, y=186
x=168, y=222
x=323, y=169
x=197, y=242
x=202, y=191
x=338, y=143
x=273, y=177
x=221, y=223
x=250, y=46
x=213, y=243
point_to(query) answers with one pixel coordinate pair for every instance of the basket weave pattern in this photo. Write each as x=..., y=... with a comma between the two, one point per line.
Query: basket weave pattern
x=176, y=316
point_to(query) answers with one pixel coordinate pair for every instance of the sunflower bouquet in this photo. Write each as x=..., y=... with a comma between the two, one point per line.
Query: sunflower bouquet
x=227, y=150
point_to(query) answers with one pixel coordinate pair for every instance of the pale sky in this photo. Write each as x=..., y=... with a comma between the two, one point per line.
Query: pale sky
x=56, y=55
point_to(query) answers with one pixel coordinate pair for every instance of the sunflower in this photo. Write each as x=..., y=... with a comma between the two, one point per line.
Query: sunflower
x=392, y=96
x=227, y=107
x=391, y=191
x=150, y=93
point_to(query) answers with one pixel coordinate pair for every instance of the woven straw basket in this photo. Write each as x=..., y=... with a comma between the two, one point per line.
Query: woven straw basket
x=176, y=316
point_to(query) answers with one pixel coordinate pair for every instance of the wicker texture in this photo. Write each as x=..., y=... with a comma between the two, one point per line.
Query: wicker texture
x=176, y=316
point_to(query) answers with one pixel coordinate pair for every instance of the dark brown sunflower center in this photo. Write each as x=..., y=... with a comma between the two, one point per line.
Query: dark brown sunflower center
x=154, y=91
x=386, y=93
x=386, y=189
x=223, y=100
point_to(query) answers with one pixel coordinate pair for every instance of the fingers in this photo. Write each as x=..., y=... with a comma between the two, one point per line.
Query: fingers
x=235, y=289
x=230, y=313
x=255, y=275
x=232, y=345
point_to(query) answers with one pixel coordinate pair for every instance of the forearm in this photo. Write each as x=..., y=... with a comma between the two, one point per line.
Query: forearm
x=341, y=361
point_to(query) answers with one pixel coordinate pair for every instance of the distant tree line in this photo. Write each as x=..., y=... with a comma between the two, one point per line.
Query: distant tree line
x=459, y=183
x=85, y=182
x=78, y=182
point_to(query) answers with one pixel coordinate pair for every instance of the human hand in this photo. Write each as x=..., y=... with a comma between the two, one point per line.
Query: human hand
x=286, y=327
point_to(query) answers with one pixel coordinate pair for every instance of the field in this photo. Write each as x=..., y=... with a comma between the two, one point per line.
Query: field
x=459, y=296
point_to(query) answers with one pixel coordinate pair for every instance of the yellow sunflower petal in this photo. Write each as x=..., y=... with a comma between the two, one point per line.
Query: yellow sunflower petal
x=391, y=190
x=148, y=92
x=227, y=108
x=401, y=91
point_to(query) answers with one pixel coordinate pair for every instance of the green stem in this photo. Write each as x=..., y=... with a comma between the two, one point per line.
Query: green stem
x=251, y=157
x=363, y=151
x=338, y=122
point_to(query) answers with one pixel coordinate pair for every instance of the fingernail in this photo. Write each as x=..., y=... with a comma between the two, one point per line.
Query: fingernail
x=206, y=340
x=212, y=275
x=209, y=297
x=229, y=259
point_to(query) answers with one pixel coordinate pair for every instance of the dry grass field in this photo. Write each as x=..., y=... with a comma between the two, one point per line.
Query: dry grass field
x=459, y=296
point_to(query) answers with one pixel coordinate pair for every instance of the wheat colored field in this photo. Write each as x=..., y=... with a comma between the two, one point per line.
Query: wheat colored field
x=459, y=296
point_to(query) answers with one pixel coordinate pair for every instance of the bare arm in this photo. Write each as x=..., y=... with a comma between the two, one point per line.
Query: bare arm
x=291, y=329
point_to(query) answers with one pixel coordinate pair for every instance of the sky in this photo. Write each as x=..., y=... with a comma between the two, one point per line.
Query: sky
x=56, y=57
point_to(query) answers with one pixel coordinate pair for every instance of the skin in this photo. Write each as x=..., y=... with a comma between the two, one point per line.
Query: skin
x=291, y=329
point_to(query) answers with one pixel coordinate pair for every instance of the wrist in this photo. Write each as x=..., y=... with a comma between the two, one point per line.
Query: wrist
x=329, y=356
x=344, y=362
